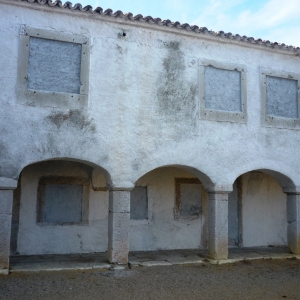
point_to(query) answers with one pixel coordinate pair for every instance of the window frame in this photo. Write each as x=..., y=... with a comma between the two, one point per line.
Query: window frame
x=43, y=181
x=222, y=115
x=48, y=98
x=274, y=121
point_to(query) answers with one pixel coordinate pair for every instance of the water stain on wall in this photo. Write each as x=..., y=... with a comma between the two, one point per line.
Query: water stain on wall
x=176, y=92
x=73, y=118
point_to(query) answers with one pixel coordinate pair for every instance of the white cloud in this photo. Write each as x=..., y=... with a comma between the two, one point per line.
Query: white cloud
x=287, y=35
x=272, y=21
x=273, y=13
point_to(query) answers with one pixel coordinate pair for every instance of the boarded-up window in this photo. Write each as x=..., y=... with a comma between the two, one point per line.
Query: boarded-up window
x=188, y=198
x=53, y=69
x=54, y=66
x=139, y=203
x=282, y=97
x=222, y=89
x=62, y=200
x=62, y=203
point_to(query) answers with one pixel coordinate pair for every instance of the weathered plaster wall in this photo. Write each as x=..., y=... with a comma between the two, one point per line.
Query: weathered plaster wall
x=36, y=238
x=143, y=107
x=142, y=113
x=264, y=219
x=162, y=230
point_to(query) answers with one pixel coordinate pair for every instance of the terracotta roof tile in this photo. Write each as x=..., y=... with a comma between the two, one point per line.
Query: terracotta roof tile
x=139, y=18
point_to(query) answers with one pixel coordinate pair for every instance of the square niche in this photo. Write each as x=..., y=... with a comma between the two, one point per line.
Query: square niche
x=280, y=99
x=188, y=201
x=62, y=200
x=53, y=69
x=222, y=92
x=139, y=203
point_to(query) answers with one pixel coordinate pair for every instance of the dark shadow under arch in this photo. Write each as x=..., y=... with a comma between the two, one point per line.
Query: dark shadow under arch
x=205, y=180
x=84, y=162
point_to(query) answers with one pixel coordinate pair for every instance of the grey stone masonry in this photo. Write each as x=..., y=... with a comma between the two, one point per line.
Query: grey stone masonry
x=118, y=225
x=6, y=199
x=218, y=225
x=293, y=218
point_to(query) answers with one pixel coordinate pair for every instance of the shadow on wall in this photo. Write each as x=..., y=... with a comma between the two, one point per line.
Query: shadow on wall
x=168, y=210
x=60, y=207
x=257, y=209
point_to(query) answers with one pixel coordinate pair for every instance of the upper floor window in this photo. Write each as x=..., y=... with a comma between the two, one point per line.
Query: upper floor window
x=280, y=98
x=222, y=92
x=53, y=69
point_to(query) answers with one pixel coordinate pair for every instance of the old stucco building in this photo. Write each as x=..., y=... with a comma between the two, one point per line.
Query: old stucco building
x=126, y=133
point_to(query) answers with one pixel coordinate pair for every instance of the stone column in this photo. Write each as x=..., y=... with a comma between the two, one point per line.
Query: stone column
x=218, y=224
x=118, y=225
x=6, y=200
x=293, y=219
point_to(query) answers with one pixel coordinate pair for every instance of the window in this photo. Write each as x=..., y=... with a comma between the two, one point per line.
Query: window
x=139, y=203
x=62, y=200
x=222, y=92
x=188, y=193
x=280, y=99
x=53, y=69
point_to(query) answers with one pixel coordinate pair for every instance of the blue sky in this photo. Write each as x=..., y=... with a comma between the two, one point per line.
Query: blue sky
x=274, y=20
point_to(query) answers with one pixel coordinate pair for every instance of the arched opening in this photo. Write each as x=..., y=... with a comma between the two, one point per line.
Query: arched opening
x=168, y=210
x=257, y=215
x=60, y=207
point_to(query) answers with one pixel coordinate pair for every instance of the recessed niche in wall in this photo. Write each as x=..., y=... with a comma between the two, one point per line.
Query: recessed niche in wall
x=139, y=203
x=62, y=200
x=188, y=199
x=53, y=68
x=280, y=98
x=222, y=92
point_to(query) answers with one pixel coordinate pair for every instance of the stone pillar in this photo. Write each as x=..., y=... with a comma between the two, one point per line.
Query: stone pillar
x=293, y=219
x=6, y=200
x=218, y=224
x=118, y=225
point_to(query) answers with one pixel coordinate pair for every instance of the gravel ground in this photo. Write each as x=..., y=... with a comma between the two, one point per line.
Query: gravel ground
x=263, y=279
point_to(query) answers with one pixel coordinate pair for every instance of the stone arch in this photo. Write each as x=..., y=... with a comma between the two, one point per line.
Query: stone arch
x=205, y=179
x=82, y=161
x=177, y=202
x=262, y=205
x=284, y=180
x=69, y=179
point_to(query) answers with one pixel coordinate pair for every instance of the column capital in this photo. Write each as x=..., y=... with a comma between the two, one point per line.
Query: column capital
x=8, y=183
x=291, y=191
x=119, y=189
x=220, y=189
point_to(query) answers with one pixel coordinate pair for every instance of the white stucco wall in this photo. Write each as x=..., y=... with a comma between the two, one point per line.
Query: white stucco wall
x=143, y=107
x=34, y=238
x=264, y=219
x=162, y=231
x=142, y=113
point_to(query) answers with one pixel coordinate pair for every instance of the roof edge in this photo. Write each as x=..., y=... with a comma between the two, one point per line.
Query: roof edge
x=163, y=24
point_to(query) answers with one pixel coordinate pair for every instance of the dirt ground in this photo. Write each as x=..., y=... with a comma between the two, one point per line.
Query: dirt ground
x=264, y=279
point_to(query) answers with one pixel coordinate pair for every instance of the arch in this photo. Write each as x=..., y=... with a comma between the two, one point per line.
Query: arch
x=71, y=193
x=284, y=180
x=205, y=179
x=262, y=212
x=85, y=162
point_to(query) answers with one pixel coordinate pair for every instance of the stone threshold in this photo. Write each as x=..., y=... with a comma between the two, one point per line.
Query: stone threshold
x=98, y=261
